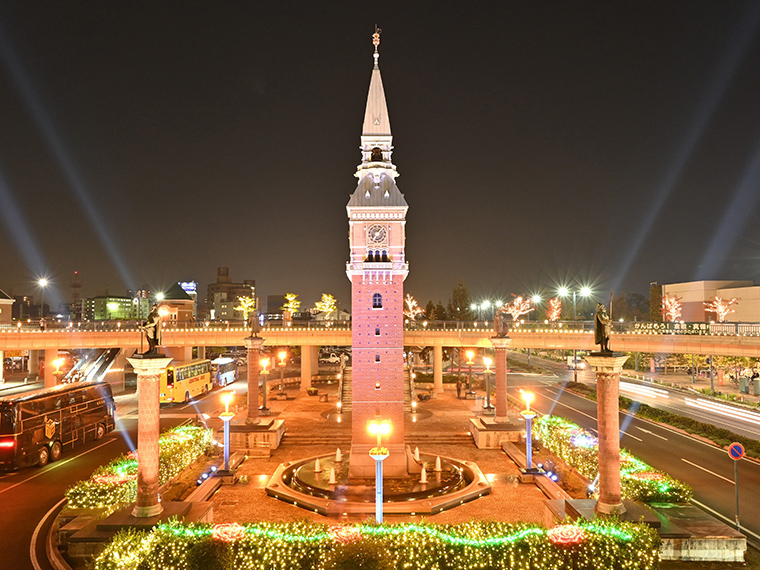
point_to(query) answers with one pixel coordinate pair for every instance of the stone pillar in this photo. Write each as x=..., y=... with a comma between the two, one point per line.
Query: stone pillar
x=607, y=367
x=33, y=365
x=253, y=347
x=500, y=345
x=438, y=369
x=201, y=352
x=2, y=367
x=149, y=370
x=306, y=370
x=51, y=354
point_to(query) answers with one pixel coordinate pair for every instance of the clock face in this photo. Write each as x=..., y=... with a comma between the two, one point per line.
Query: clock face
x=376, y=234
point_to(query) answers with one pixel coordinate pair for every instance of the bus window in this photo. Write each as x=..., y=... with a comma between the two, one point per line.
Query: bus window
x=170, y=377
x=7, y=420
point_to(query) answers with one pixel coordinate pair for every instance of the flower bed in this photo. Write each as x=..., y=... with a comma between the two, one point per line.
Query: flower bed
x=116, y=483
x=303, y=545
x=579, y=449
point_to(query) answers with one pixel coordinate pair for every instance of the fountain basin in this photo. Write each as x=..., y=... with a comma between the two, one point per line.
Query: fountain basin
x=296, y=482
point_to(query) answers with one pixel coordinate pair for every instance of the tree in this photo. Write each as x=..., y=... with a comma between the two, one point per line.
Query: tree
x=292, y=304
x=411, y=309
x=554, y=310
x=655, y=302
x=519, y=306
x=326, y=305
x=247, y=307
x=721, y=307
x=671, y=308
x=630, y=307
x=440, y=312
x=459, y=304
x=430, y=311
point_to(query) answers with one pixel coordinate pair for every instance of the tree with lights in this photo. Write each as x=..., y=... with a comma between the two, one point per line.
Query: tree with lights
x=327, y=305
x=411, y=308
x=554, y=310
x=247, y=307
x=292, y=304
x=721, y=307
x=671, y=308
x=519, y=306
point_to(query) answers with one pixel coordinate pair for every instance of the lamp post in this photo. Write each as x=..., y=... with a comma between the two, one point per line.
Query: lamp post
x=584, y=292
x=470, y=354
x=485, y=306
x=528, y=415
x=265, y=373
x=487, y=361
x=226, y=416
x=379, y=454
x=42, y=283
x=282, y=356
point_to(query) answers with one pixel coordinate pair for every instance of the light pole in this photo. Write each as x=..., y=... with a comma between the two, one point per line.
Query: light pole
x=282, y=356
x=475, y=307
x=528, y=415
x=42, y=283
x=470, y=354
x=487, y=361
x=584, y=292
x=226, y=416
x=379, y=454
x=265, y=374
x=485, y=306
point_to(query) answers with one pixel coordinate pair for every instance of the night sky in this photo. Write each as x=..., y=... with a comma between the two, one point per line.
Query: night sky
x=538, y=143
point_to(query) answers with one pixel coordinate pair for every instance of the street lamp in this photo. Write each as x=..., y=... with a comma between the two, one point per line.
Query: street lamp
x=485, y=306
x=584, y=292
x=282, y=356
x=379, y=454
x=226, y=416
x=487, y=361
x=265, y=373
x=57, y=363
x=470, y=354
x=42, y=282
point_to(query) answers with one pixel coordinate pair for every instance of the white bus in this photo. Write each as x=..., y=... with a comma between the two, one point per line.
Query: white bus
x=224, y=371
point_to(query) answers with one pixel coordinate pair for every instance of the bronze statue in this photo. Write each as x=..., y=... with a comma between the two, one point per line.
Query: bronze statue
x=152, y=329
x=602, y=328
x=500, y=327
x=254, y=325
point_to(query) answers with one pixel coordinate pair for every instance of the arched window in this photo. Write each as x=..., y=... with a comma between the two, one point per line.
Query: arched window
x=377, y=301
x=377, y=331
x=377, y=256
x=377, y=358
x=385, y=256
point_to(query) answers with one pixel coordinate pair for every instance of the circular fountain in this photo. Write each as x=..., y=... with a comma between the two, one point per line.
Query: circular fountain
x=298, y=482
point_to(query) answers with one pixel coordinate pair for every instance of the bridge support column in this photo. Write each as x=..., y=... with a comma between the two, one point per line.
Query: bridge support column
x=500, y=345
x=50, y=355
x=607, y=367
x=438, y=369
x=178, y=353
x=253, y=348
x=149, y=370
x=201, y=352
x=33, y=368
x=309, y=363
x=2, y=367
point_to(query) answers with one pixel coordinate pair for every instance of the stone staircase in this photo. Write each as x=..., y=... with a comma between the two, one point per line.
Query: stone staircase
x=347, y=394
x=423, y=439
x=342, y=440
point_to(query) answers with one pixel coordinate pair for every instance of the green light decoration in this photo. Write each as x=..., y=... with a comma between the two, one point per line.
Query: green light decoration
x=114, y=484
x=578, y=448
x=477, y=544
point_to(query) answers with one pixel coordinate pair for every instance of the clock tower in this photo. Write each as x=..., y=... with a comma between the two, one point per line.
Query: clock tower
x=377, y=269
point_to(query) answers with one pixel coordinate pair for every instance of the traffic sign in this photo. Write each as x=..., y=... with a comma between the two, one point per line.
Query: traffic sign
x=736, y=451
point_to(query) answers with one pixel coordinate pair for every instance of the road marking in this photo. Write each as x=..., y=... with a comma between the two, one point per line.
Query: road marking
x=732, y=523
x=574, y=409
x=36, y=533
x=650, y=433
x=708, y=471
x=629, y=435
x=56, y=465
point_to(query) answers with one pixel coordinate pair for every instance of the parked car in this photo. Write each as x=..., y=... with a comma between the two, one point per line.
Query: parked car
x=331, y=359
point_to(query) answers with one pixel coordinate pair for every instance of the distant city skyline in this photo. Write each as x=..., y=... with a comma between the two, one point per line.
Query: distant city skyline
x=537, y=145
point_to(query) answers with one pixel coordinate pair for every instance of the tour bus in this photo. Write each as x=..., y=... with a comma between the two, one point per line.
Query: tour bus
x=182, y=381
x=38, y=426
x=224, y=371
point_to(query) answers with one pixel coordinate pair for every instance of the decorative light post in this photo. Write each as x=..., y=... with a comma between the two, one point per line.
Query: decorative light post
x=379, y=454
x=470, y=354
x=226, y=417
x=57, y=363
x=265, y=373
x=282, y=356
x=528, y=415
x=487, y=372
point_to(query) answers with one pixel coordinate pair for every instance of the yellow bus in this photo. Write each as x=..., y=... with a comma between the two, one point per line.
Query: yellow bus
x=185, y=380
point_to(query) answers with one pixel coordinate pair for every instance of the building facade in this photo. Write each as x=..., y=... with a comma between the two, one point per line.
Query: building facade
x=377, y=269
x=694, y=295
x=222, y=296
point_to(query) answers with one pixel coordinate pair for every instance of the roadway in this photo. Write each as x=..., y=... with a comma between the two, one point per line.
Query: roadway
x=707, y=468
